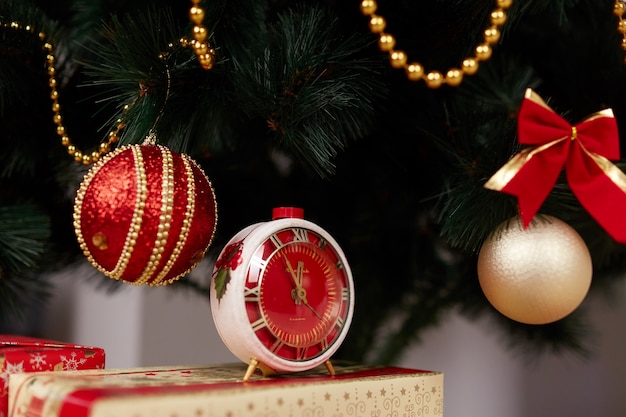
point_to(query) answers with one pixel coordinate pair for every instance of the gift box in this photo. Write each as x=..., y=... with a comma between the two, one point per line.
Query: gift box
x=219, y=390
x=20, y=354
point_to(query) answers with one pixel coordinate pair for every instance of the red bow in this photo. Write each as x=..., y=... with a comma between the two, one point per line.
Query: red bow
x=584, y=150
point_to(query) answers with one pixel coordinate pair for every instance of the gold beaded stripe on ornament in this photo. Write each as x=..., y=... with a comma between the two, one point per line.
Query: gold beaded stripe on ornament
x=414, y=70
x=205, y=54
x=135, y=223
x=165, y=217
x=619, y=9
x=184, y=232
x=99, y=240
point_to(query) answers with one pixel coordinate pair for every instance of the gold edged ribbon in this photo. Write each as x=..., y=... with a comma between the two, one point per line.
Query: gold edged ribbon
x=583, y=150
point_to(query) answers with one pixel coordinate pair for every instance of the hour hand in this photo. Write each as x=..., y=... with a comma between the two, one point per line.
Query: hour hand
x=295, y=276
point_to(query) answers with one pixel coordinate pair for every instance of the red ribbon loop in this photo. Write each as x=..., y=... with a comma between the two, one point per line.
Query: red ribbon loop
x=583, y=150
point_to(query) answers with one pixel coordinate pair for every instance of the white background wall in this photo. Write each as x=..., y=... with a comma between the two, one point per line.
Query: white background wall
x=140, y=326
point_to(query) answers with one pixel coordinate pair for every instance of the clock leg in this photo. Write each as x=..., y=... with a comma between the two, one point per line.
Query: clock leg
x=253, y=365
x=329, y=367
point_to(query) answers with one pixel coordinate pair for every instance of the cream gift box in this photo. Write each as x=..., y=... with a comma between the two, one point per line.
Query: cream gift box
x=218, y=390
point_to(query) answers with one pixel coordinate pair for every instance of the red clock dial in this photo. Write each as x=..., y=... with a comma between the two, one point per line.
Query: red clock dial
x=297, y=294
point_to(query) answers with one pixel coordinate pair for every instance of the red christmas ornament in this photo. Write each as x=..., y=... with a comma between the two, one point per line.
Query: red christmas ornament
x=145, y=215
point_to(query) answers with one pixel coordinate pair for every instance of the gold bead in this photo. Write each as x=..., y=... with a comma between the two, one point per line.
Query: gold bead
x=492, y=35
x=65, y=141
x=498, y=17
x=54, y=94
x=196, y=15
x=206, y=60
x=57, y=119
x=454, y=77
x=434, y=79
x=386, y=42
x=469, y=66
x=619, y=8
x=78, y=156
x=377, y=24
x=50, y=59
x=71, y=149
x=51, y=71
x=624, y=44
x=86, y=160
x=368, y=7
x=505, y=4
x=483, y=52
x=621, y=26
x=56, y=107
x=47, y=46
x=397, y=59
x=99, y=240
x=199, y=33
x=200, y=48
x=60, y=130
x=52, y=82
x=414, y=71
x=104, y=147
x=95, y=156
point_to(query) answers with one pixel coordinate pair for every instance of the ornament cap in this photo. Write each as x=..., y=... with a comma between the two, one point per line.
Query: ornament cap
x=287, y=213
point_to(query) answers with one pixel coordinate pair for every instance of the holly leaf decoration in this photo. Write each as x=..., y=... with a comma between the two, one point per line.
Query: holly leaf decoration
x=221, y=281
x=230, y=260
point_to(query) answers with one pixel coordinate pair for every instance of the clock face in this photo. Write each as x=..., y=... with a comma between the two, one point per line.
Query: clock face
x=297, y=294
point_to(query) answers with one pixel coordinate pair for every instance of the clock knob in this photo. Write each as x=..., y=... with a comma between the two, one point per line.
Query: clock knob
x=287, y=213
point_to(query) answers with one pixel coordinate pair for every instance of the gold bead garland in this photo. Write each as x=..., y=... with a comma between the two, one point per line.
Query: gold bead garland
x=414, y=70
x=205, y=54
x=57, y=118
x=619, y=9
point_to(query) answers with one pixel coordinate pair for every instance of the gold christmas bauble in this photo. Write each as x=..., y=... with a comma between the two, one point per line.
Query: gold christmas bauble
x=536, y=275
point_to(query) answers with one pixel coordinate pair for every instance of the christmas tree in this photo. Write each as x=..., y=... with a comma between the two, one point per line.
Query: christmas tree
x=383, y=121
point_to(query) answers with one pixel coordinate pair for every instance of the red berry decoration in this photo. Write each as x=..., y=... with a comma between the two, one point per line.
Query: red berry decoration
x=145, y=215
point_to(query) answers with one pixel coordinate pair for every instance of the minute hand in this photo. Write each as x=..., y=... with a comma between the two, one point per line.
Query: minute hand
x=302, y=296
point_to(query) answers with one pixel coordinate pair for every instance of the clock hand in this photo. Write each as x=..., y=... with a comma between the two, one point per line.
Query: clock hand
x=296, y=277
x=300, y=292
x=306, y=303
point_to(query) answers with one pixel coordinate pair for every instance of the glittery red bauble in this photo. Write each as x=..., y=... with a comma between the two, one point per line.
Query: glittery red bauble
x=145, y=215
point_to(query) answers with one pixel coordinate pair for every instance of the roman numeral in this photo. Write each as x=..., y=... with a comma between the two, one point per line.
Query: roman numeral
x=259, y=324
x=278, y=344
x=276, y=241
x=300, y=353
x=251, y=295
x=340, y=322
x=345, y=295
x=324, y=344
x=300, y=235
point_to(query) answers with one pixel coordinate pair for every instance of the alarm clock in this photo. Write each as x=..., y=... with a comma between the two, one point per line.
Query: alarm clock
x=282, y=294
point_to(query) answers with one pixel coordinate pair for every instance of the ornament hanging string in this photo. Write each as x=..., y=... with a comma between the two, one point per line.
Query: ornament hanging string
x=414, y=70
x=151, y=138
x=584, y=150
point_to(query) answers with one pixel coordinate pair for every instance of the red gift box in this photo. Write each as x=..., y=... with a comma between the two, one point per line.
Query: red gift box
x=19, y=354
